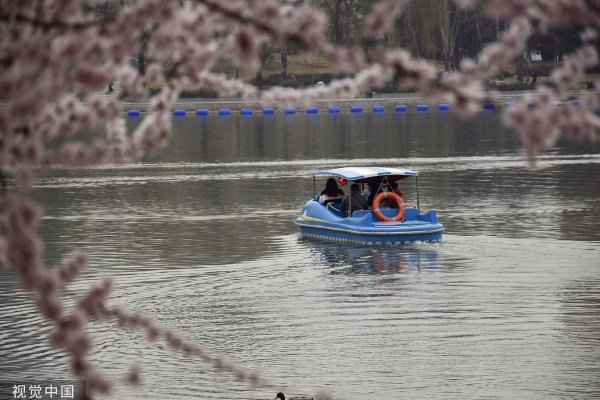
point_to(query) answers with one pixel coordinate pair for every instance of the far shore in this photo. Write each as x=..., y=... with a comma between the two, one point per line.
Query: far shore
x=384, y=99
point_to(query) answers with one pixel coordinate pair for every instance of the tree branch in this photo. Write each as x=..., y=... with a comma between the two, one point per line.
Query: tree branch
x=50, y=25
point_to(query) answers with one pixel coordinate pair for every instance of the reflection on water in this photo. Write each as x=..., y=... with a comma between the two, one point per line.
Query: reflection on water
x=373, y=260
x=202, y=237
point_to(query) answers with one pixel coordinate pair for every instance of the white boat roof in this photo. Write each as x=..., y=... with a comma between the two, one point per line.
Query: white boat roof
x=357, y=173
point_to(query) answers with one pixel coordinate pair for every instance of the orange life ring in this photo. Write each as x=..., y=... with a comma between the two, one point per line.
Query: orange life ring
x=394, y=197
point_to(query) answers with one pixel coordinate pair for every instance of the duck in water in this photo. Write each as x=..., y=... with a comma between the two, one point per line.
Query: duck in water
x=281, y=396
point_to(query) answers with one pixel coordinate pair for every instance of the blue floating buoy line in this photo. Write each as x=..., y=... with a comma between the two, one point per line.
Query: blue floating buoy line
x=356, y=109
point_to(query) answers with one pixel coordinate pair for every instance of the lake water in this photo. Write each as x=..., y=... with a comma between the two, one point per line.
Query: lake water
x=202, y=237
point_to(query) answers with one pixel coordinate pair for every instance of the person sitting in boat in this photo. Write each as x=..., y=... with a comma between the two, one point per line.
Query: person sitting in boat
x=331, y=192
x=373, y=191
x=395, y=188
x=356, y=201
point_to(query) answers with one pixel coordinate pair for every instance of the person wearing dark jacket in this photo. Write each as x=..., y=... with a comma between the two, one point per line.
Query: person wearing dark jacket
x=395, y=188
x=331, y=192
x=356, y=201
x=373, y=191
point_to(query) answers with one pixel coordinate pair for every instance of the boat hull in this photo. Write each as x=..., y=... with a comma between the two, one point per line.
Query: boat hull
x=363, y=227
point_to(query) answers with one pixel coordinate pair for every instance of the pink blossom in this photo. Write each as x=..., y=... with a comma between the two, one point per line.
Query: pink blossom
x=509, y=8
x=93, y=78
x=245, y=48
x=134, y=376
x=3, y=257
x=50, y=306
x=72, y=267
x=174, y=339
x=382, y=17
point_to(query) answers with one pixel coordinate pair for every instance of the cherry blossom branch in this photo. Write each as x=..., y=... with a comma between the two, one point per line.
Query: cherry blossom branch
x=49, y=25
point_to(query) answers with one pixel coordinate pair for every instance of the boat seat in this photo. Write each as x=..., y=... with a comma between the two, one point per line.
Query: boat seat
x=360, y=213
x=411, y=214
x=336, y=208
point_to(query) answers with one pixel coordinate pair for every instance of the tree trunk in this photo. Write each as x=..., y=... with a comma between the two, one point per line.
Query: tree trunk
x=264, y=54
x=337, y=23
x=142, y=53
x=284, y=61
x=445, y=34
x=520, y=67
x=259, y=78
x=449, y=23
x=501, y=77
x=411, y=32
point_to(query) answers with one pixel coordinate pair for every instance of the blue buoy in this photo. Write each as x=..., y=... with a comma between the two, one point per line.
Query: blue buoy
x=269, y=110
x=444, y=107
x=400, y=108
x=378, y=109
x=356, y=109
x=201, y=112
x=133, y=113
x=509, y=104
x=312, y=110
x=246, y=111
x=290, y=110
x=224, y=111
x=489, y=106
x=334, y=109
x=179, y=113
x=422, y=107
x=576, y=102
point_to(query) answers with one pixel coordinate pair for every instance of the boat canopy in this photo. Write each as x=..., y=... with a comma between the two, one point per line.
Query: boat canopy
x=365, y=173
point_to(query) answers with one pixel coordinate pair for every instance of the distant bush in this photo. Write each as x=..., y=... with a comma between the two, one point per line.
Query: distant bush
x=392, y=89
x=593, y=70
x=541, y=69
x=296, y=80
x=291, y=83
x=510, y=86
x=207, y=94
x=505, y=74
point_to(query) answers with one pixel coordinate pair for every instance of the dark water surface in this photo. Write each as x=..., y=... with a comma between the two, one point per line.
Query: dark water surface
x=202, y=238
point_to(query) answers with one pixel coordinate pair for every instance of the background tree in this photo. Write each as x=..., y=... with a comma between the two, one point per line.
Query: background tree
x=451, y=17
x=265, y=54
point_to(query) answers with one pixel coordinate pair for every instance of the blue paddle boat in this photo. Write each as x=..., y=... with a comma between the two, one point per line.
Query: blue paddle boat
x=387, y=222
